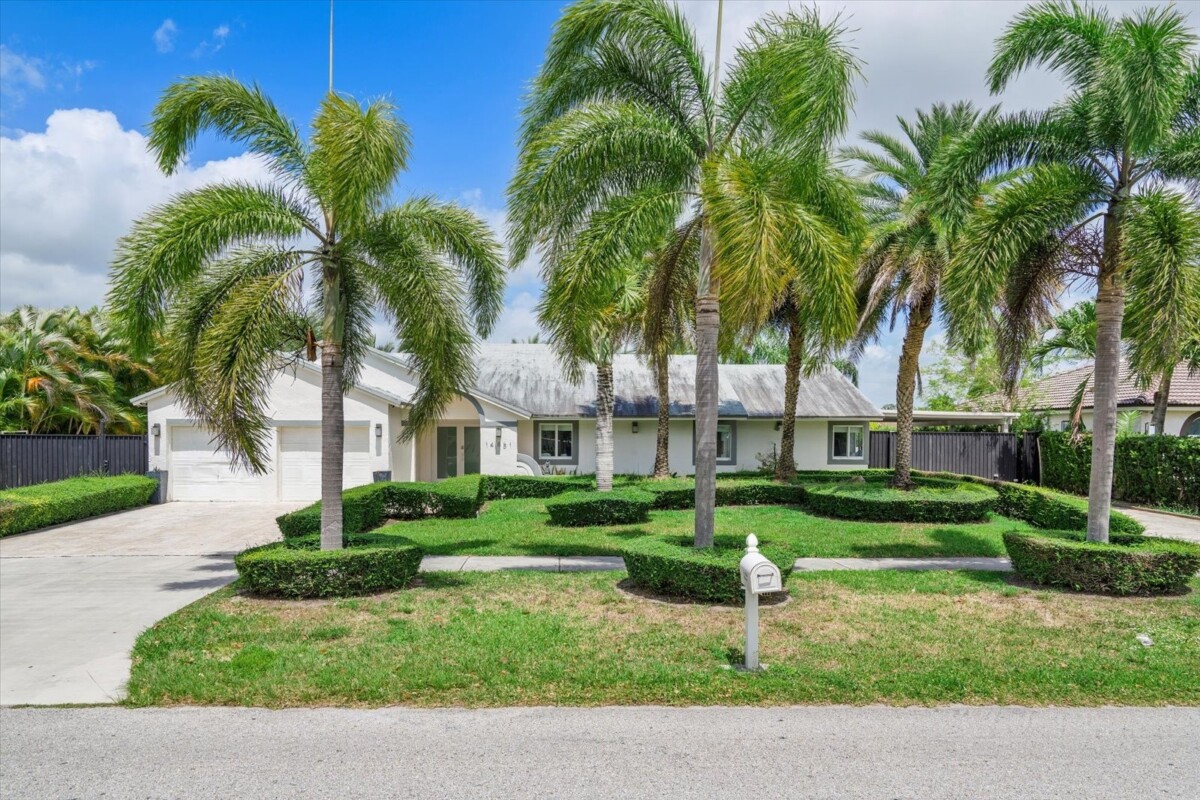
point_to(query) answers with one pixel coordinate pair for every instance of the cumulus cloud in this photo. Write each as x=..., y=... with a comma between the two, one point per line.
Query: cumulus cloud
x=164, y=36
x=70, y=192
x=212, y=44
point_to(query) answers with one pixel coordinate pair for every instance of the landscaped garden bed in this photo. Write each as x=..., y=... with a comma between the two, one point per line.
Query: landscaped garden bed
x=932, y=500
x=1126, y=565
x=673, y=567
x=31, y=507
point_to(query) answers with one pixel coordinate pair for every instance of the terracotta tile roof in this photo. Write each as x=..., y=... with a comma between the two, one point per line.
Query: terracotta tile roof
x=1056, y=391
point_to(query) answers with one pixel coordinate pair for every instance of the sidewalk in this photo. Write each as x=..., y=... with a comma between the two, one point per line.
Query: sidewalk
x=609, y=563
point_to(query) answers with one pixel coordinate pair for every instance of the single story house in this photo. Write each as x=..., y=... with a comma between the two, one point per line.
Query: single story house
x=522, y=416
x=1052, y=396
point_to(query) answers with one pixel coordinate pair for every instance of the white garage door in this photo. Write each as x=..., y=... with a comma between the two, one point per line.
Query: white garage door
x=196, y=472
x=300, y=461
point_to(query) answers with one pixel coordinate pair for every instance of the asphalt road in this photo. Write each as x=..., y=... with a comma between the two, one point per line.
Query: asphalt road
x=760, y=753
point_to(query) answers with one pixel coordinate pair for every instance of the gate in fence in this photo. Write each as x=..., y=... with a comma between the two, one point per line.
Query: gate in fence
x=1000, y=456
x=28, y=458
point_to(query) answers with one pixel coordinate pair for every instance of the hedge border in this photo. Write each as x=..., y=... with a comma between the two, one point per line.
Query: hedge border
x=1157, y=470
x=1130, y=565
x=616, y=507
x=29, y=508
x=964, y=503
x=366, y=507
x=277, y=570
x=671, y=566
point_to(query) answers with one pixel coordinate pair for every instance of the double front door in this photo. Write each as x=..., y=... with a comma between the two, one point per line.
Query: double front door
x=448, y=450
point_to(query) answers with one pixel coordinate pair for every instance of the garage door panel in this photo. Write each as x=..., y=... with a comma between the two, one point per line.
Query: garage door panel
x=198, y=471
x=300, y=461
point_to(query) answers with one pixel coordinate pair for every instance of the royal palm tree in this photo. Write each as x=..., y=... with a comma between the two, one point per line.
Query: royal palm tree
x=627, y=145
x=222, y=270
x=911, y=244
x=1097, y=158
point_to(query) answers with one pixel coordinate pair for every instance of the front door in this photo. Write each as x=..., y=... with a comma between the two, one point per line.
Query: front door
x=447, y=452
x=471, y=450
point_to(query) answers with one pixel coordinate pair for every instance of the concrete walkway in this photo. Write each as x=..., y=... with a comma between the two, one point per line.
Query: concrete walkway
x=979, y=752
x=73, y=599
x=1169, y=526
x=608, y=563
x=964, y=562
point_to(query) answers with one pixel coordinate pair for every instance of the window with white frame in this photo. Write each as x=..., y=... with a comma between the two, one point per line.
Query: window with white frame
x=847, y=442
x=556, y=441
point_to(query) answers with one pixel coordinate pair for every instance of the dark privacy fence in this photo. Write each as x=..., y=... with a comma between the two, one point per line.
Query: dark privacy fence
x=1004, y=456
x=29, y=458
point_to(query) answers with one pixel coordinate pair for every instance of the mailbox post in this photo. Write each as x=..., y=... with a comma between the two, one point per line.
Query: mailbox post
x=759, y=576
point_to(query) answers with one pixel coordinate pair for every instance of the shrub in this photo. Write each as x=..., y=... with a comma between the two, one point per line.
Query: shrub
x=1159, y=470
x=31, y=507
x=1045, y=508
x=366, y=507
x=617, y=507
x=1136, y=566
x=932, y=501
x=671, y=566
x=736, y=491
x=276, y=570
x=508, y=487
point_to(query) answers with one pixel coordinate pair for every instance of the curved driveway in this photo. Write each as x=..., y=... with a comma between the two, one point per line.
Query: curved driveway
x=73, y=599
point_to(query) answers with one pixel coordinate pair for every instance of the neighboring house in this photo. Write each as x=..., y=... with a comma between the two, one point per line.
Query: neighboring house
x=521, y=417
x=1052, y=396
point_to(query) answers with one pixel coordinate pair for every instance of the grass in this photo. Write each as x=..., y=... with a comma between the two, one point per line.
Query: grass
x=522, y=527
x=491, y=639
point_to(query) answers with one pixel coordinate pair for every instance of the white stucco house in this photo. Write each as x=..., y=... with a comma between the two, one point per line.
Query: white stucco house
x=521, y=417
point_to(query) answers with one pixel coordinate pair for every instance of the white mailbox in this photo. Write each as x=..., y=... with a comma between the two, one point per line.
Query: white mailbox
x=759, y=575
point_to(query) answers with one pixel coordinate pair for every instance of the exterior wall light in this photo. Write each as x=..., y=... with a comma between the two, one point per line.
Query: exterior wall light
x=378, y=430
x=635, y=426
x=779, y=425
x=156, y=429
x=499, y=436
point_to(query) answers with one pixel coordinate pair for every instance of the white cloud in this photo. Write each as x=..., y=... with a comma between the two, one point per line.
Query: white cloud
x=70, y=192
x=19, y=73
x=164, y=37
x=518, y=320
x=214, y=43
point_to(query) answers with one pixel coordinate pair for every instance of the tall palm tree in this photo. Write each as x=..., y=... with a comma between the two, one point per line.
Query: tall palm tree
x=1128, y=124
x=222, y=269
x=912, y=242
x=1072, y=336
x=626, y=135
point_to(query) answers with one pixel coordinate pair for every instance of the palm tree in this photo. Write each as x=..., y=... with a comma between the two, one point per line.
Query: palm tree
x=221, y=270
x=627, y=145
x=911, y=244
x=1072, y=336
x=1128, y=124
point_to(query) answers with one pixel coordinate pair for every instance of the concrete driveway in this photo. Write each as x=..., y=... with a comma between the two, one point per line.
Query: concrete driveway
x=73, y=599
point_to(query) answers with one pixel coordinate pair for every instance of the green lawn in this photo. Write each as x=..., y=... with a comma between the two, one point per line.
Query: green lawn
x=527, y=638
x=522, y=527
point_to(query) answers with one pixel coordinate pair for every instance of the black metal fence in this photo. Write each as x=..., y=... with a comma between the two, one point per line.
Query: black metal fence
x=1002, y=456
x=29, y=458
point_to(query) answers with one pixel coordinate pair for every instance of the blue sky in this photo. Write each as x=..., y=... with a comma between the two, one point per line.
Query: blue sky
x=78, y=82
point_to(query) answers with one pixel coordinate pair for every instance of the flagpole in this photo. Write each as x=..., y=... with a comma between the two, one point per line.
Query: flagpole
x=331, y=46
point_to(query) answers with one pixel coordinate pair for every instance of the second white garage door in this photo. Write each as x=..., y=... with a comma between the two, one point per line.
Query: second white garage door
x=300, y=461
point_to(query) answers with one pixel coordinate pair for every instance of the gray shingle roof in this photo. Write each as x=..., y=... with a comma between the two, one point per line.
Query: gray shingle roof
x=530, y=377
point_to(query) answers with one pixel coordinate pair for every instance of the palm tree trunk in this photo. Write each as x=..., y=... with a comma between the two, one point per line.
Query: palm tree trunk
x=1158, y=418
x=662, y=441
x=785, y=465
x=333, y=435
x=708, y=311
x=1110, y=309
x=604, y=426
x=919, y=318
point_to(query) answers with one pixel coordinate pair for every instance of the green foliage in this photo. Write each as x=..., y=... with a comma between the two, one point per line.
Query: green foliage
x=671, y=566
x=30, y=507
x=276, y=570
x=66, y=371
x=616, y=507
x=1124, y=566
x=932, y=501
x=681, y=493
x=508, y=487
x=1158, y=470
x=366, y=507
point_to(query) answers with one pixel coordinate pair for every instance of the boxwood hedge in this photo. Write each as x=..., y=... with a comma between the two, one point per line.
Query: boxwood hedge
x=1128, y=565
x=1160, y=470
x=277, y=570
x=31, y=507
x=616, y=507
x=932, y=501
x=509, y=487
x=680, y=493
x=671, y=566
x=366, y=507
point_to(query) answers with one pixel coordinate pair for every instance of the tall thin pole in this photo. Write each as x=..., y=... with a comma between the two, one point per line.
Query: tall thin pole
x=717, y=60
x=331, y=46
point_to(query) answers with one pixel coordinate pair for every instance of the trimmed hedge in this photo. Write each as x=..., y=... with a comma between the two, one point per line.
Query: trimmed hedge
x=932, y=501
x=510, y=487
x=276, y=570
x=1131, y=565
x=366, y=507
x=1046, y=508
x=1158, y=470
x=31, y=507
x=681, y=494
x=671, y=566
x=617, y=507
